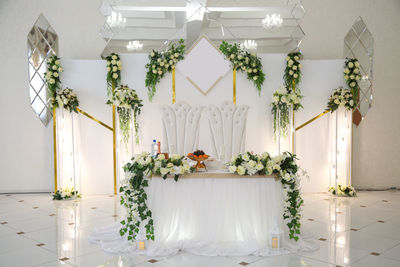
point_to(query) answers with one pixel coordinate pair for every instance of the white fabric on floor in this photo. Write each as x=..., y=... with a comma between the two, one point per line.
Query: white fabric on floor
x=210, y=216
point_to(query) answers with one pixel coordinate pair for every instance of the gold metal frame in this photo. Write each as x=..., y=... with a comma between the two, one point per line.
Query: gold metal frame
x=173, y=87
x=55, y=149
x=234, y=85
x=93, y=118
x=311, y=120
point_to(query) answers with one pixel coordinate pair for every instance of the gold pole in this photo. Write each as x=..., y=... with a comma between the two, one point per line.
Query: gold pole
x=114, y=145
x=93, y=118
x=234, y=85
x=173, y=86
x=293, y=130
x=313, y=119
x=55, y=149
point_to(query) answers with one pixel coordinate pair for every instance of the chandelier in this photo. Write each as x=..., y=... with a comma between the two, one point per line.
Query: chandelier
x=115, y=20
x=249, y=44
x=272, y=21
x=134, y=45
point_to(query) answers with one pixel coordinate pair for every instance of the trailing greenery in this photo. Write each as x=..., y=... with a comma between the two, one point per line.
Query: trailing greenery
x=352, y=75
x=161, y=63
x=285, y=167
x=292, y=74
x=65, y=98
x=244, y=61
x=52, y=76
x=133, y=195
x=282, y=100
x=67, y=193
x=126, y=100
x=114, y=68
x=341, y=98
x=343, y=191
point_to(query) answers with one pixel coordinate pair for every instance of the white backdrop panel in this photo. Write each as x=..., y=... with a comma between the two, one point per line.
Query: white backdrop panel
x=88, y=79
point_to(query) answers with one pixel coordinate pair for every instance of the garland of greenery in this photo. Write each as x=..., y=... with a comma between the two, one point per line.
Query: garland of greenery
x=292, y=75
x=65, y=98
x=52, y=77
x=343, y=191
x=133, y=195
x=282, y=100
x=114, y=68
x=126, y=100
x=67, y=193
x=244, y=61
x=341, y=98
x=285, y=167
x=352, y=75
x=161, y=63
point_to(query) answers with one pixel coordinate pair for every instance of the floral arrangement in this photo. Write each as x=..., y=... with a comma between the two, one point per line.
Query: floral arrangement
x=292, y=75
x=341, y=98
x=114, y=68
x=67, y=193
x=285, y=167
x=127, y=101
x=52, y=75
x=65, y=98
x=133, y=194
x=161, y=63
x=244, y=61
x=282, y=100
x=352, y=75
x=343, y=191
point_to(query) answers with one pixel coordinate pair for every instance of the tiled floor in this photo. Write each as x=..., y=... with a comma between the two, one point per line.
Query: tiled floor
x=36, y=231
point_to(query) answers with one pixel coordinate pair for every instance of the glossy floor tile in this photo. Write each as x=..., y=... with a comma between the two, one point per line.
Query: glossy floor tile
x=37, y=231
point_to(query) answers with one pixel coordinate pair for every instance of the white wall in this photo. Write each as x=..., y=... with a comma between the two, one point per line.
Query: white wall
x=26, y=147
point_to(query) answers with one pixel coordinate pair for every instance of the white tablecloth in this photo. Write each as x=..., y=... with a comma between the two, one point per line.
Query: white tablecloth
x=210, y=216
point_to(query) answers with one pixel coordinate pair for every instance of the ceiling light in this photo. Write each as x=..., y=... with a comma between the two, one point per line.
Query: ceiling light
x=134, y=45
x=249, y=44
x=272, y=21
x=115, y=20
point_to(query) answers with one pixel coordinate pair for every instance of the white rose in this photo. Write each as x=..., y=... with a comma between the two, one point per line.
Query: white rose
x=118, y=63
x=54, y=67
x=290, y=62
x=161, y=156
x=295, y=67
x=351, y=102
x=114, y=69
x=275, y=99
x=60, y=69
x=159, y=60
x=291, y=72
x=114, y=57
x=277, y=167
x=352, y=77
x=358, y=77
x=176, y=54
x=159, y=72
x=246, y=157
x=299, y=66
x=154, y=71
x=240, y=57
x=232, y=169
x=232, y=56
x=357, y=64
x=241, y=170
x=113, y=62
x=255, y=78
x=52, y=81
x=249, y=71
x=350, y=64
x=162, y=64
x=259, y=166
x=254, y=70
x=346, y=77
x=337, y=102
x=296, y=57
x=115, y=75
x=171, y=62
x=163, y=171
x=295, y=75
x=352, y=84
x=55, y=74
x=356, y=70
x=346, y=70
x=252, y=163
x=57, y=62
x=108, y=63
x=287, y=58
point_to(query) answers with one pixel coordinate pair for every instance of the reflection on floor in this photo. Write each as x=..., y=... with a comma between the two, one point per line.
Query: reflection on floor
x=36, y=231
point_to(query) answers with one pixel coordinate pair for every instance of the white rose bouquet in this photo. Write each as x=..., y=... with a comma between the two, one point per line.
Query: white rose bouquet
x=114, y=68
x=52, y=75
x=248, y=164
x=343, y=191
x=161, y=63
x=65, y=98
x=341, y=98
x=66, y=193
x=175, y=165
x=292, y=75
x=127, y=101
x=282, y=100
x=244, y=61
x=352, y=75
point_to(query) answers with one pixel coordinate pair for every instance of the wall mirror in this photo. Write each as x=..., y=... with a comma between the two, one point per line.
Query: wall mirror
x=42, y=43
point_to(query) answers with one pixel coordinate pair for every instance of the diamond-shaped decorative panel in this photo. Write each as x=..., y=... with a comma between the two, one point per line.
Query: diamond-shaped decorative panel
x=359, y=44
x=42, y=43
x=196, y=67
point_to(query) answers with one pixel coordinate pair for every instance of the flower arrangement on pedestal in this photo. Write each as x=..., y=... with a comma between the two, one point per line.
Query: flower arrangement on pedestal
x=292, y=75
x=285, y=167
x=67, y=193
x=114, y=68
x=343, y=191
x=282, y=100
x=244, y=61
x=52, y=75
x=341, y=98
x=161, y=63
x=352, y=75
x=127, y=101
x=65, y=98
x=134, y=196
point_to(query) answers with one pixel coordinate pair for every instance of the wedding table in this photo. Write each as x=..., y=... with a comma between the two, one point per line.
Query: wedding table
x=211, y=213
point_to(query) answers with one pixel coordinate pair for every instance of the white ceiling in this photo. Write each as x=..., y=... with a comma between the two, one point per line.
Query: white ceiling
x=155, y=21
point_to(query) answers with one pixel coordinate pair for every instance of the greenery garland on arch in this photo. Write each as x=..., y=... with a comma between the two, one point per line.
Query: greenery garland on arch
x=292, y=74
x=161, y=63
x=244, y=61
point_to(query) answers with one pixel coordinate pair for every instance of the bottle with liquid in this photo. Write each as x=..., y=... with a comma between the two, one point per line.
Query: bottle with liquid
x=154, y=148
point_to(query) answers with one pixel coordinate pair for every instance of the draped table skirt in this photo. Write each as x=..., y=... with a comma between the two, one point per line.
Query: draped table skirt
x=210, y=214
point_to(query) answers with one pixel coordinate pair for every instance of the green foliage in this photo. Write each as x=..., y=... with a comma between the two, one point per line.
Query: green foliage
x=67, y=193
x=161, y=63
x=52, y=76
x=114, y=68
x=341, y=97
x=244, y=61
x=292, y=74
x=352, y=75
x=67, y=99
x=343, y=191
